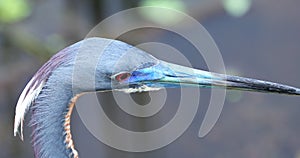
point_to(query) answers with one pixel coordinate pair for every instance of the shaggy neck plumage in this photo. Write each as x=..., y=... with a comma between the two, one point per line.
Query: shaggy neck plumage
x=83, y=67
x=51, y=119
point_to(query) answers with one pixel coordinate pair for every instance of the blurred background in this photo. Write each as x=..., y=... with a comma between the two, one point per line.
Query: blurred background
x=257, y=38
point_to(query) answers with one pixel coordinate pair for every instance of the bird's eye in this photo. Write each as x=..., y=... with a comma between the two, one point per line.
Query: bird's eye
x=122, y=76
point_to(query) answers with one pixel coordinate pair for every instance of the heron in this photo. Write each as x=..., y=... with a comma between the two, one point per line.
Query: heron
x=50, y=96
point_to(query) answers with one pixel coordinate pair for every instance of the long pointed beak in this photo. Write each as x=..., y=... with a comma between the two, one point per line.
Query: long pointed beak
x=172, y=75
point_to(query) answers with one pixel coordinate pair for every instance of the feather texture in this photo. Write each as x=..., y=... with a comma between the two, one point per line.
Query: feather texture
x=35, y=85
x=28, y=95
x=51, y=93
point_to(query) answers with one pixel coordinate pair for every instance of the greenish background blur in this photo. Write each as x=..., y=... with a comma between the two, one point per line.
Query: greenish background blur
x=257, y=38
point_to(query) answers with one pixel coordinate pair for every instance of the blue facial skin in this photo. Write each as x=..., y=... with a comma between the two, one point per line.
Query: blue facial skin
x=150, y=76
x=157, y=76
x=147, y=74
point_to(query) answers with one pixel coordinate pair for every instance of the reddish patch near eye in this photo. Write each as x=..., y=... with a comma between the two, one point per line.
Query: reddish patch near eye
x=122, y=76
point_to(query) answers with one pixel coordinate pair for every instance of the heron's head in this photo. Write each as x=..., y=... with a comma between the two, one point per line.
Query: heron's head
x=126, y=68
x=98, y=64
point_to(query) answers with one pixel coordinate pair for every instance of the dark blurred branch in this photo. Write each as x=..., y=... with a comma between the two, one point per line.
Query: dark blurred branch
x=27, y=42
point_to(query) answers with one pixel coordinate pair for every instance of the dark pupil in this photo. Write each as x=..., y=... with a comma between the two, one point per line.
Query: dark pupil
x=123, y=76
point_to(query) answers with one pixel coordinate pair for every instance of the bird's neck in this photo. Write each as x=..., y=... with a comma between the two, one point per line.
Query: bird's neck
x=51, y=117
